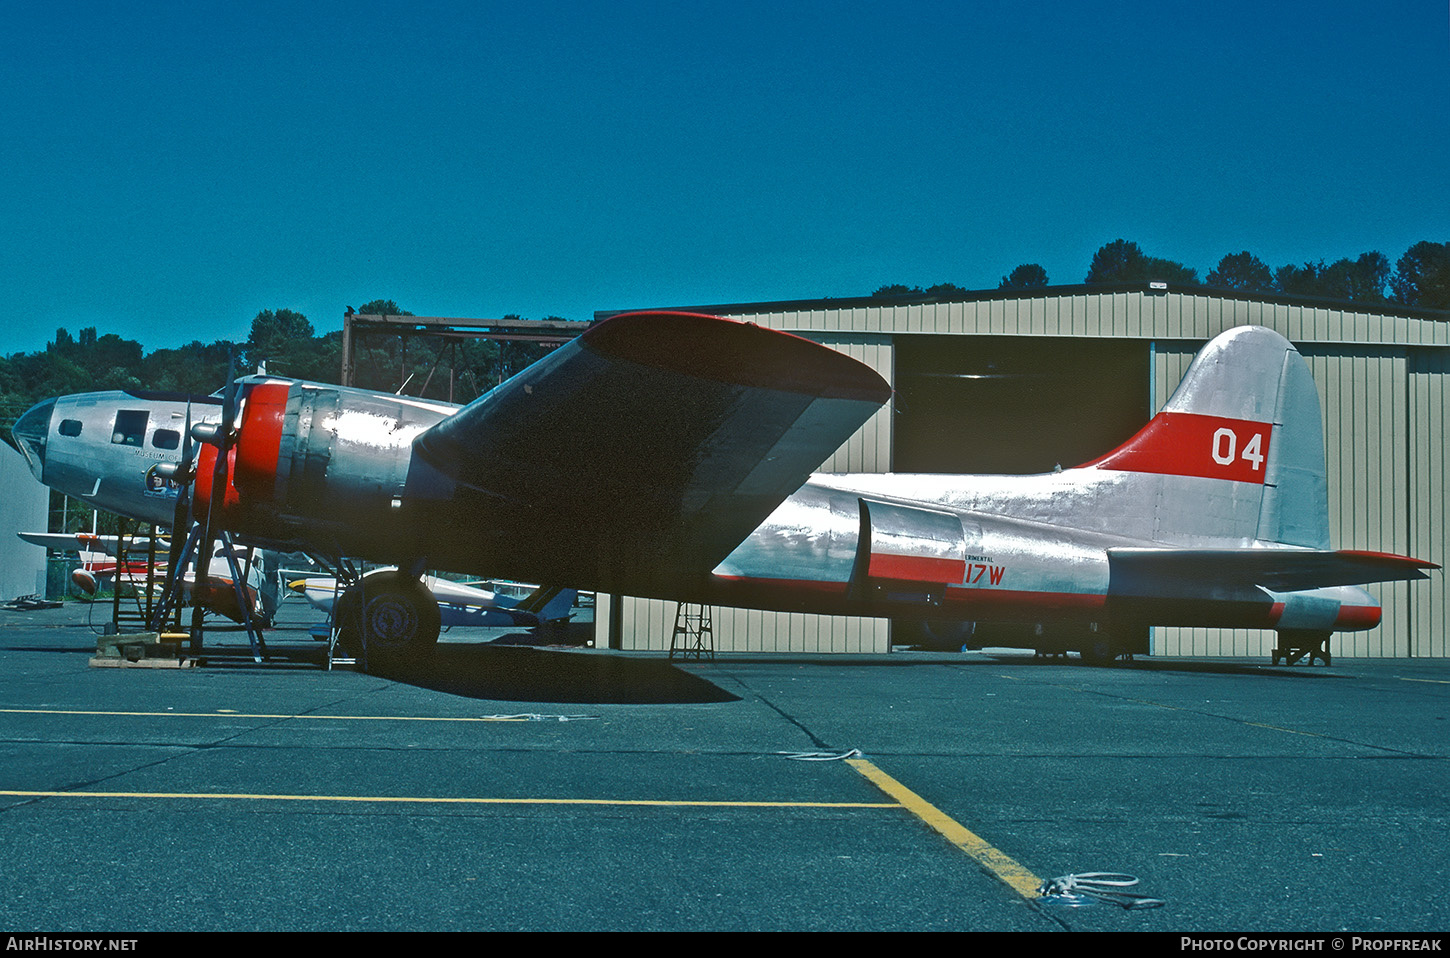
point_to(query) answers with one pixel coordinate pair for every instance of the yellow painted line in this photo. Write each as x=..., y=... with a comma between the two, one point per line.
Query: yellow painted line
x=443, y=800
x=1006, y=869
x=227, y=713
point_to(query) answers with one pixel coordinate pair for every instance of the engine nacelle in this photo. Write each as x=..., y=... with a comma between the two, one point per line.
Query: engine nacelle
x=1335, y=609
x=318, y=462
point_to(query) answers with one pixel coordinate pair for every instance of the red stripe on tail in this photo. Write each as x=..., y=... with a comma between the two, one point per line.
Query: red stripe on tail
x=1188, y=444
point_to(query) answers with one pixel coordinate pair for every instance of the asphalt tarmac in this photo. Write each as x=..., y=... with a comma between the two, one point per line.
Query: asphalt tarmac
x=517, y=785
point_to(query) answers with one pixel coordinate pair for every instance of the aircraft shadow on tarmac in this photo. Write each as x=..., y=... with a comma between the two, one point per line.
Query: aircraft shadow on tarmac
x=524, y=666
x=912, y=659
x=523, y=674
x=1144, y=664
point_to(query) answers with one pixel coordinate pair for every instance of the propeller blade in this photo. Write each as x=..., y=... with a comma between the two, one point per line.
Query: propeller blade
x=218, y=479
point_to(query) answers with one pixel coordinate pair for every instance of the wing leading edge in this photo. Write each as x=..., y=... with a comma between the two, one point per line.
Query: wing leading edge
x=653, y=443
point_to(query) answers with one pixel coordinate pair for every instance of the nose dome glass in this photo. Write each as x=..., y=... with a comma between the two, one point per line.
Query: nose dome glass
x=30, y=432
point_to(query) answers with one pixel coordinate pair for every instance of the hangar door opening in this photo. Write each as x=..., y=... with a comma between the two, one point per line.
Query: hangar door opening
x=1015, y=404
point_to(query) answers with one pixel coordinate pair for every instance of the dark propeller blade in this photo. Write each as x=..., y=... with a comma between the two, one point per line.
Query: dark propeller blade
x=218, y=480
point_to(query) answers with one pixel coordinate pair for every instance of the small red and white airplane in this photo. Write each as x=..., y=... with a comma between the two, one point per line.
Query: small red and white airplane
x=102, y=566
x=98, y=555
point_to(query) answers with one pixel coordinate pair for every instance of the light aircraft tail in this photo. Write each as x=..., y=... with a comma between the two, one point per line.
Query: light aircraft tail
x=1237, y=454
x=549, y=603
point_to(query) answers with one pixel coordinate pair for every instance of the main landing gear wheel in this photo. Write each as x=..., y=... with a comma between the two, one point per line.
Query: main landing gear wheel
x=948, y=635
x=394, y=612
x=1099, y=651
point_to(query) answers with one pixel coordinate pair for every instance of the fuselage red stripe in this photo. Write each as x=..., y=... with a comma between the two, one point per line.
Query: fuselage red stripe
x=917, y=568
x=741, y=587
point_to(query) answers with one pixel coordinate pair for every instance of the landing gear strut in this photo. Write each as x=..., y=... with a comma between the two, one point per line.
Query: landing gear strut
x=1295, y=644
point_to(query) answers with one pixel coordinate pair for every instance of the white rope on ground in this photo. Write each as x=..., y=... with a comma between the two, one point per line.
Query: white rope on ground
x=1075, y=891
x=820, y=756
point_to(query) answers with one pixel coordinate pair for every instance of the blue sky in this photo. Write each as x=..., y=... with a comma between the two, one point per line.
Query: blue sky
x=170, y=169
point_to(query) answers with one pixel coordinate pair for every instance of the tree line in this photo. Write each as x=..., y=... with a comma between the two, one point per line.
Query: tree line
x=1420, y=277
x=281, y=340
x=287, y=344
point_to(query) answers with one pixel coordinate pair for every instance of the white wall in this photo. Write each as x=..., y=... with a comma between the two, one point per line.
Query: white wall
x=24, y=507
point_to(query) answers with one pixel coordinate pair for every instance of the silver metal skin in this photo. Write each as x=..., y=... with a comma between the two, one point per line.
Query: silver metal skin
x=99, y=447
x=619, y=464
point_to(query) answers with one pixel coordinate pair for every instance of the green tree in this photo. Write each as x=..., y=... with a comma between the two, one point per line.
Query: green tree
x=282, y=339
x=1362, y=279
x=1297, y=280
x=194, y=368
x=1026, y=276
x=1422, y=276
x=1243, y=271
x=946, y=289
x=382, y=307
x=1122, y=261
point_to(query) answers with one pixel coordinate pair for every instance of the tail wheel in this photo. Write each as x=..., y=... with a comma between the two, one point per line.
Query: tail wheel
x=393, y=612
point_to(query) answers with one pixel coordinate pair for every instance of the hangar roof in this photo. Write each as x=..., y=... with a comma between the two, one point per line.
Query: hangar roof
x=1128, y=309
x=981, y=295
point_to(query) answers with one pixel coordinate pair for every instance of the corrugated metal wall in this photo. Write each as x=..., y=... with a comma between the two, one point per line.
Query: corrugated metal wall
x=1428, y=467
x=648, y=625
x=1381, y=380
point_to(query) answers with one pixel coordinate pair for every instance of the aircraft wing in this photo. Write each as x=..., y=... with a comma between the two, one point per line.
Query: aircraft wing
x=71, y=541
x=1279, y=570
x=654, y=441
x=84, y=542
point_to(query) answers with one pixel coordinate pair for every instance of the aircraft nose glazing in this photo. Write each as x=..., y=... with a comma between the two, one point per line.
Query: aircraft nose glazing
x=30, y=432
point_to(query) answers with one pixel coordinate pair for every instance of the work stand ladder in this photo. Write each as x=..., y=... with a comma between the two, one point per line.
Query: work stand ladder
x=171, y=599
x=133, y=596
x=694, y=635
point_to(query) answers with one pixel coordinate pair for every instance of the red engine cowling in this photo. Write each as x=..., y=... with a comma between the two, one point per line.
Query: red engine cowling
x=252, y=460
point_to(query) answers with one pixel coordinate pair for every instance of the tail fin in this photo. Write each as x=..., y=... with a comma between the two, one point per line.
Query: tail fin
x=549, y=603
x=1237, y=453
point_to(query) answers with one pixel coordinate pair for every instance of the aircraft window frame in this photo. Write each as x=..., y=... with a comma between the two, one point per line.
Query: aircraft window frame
x=70, y=427
x=171, y=436
x=130, y=426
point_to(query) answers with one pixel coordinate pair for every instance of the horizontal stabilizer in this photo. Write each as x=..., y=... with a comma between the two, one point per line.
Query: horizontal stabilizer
x=1279, y=570
x=655, y=441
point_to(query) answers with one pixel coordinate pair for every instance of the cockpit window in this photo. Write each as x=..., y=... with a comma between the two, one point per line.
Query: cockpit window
x=130, y=428
x=166, y=439
x=70, y=427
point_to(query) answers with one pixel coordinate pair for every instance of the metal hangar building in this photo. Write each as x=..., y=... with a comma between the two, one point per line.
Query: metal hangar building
x=1021, y=381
